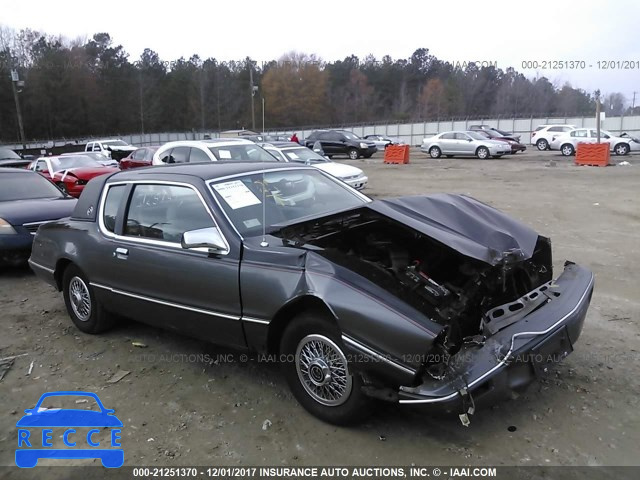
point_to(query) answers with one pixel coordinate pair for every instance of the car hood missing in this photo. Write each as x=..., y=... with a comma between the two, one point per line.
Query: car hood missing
x=464, y=224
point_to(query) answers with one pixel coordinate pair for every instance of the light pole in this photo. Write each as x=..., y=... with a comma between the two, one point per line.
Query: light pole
x=254, y=89
x=16, y=85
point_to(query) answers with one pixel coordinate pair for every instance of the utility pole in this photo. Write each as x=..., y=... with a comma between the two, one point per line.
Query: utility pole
x=633, y=102
x=15, y=83
x=598, y=115
x=253, y=93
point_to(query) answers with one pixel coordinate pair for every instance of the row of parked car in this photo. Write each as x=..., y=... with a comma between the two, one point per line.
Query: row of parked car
x=29, y=200
x=565, y=138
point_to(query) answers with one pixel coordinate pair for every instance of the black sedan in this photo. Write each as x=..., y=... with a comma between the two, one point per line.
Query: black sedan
x=419, y=300
x=27, y=200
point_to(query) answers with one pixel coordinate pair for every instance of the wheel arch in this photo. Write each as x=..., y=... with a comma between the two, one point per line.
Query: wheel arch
x=288, y=312
x=58, y=273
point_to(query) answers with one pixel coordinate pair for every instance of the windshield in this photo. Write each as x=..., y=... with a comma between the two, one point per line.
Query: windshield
x=303, y=155
x=64, y=163
x=25, y=186
x=475, y=135
x=246, y=152
x=289, y=196
x=116, y=143
x=6, y=154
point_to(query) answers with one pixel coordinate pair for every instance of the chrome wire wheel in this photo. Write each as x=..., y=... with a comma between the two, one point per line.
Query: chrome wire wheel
x=80, y=299
x=322, y=370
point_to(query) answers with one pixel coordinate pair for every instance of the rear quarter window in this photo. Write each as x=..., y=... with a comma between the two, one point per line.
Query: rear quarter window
x=111, y=206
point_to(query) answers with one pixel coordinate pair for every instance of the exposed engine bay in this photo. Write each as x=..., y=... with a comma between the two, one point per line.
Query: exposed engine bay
x=465, y=295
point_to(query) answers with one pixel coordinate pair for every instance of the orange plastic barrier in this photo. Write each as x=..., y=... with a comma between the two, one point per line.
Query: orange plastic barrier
x=396, y=154
x=594, y=154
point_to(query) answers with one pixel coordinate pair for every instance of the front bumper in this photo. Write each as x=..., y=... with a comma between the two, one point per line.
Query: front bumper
x=516, y=355
x=367, y=152
x=15, y=249
x=358, y=183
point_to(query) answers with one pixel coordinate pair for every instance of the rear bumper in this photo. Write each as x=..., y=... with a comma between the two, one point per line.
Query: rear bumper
x=516, y=355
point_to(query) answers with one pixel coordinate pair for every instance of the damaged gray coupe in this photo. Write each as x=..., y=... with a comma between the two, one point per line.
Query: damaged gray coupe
x=427, y=300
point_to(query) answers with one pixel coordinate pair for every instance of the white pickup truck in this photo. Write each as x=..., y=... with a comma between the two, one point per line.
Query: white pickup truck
x=115, y=149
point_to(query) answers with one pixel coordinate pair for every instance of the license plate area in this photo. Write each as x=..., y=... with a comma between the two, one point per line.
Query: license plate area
x=551, y=351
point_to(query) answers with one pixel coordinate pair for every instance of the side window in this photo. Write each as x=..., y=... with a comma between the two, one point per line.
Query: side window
x=166, y=156
x=325, y=136
x=198, y=156
x=97, y=147
x=462, y=136
x=165, y=212
x=180, y=155
x=448, y=136
x=41, y=166
x=89, y=147
x=579, y=133
x=556, y=129
x=138, y=154
x=111, y=205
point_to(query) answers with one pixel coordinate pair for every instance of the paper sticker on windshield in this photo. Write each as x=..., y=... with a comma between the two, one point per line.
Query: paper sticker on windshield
x=292, y=155
x=226, y=154
x=236, y=194
x=254, y=222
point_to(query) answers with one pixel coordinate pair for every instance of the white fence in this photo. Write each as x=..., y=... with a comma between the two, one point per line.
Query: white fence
x=410, y=133
x=413, y=133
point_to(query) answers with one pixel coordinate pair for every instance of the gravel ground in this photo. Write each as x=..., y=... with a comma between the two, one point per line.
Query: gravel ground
x=189, y=403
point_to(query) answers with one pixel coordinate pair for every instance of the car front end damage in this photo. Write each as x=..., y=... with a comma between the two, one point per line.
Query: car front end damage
x=478, y=281
x=489, y=366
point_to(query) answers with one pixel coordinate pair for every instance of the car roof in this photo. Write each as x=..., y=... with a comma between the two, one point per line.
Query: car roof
x=205, y=171
x=16, y=170
x=216, y=142
x=281, y=145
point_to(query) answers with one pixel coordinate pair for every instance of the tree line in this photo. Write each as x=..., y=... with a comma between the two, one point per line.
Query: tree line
x=75, y=88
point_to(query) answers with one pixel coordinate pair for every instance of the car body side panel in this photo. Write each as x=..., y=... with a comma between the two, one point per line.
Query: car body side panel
x=363, y=311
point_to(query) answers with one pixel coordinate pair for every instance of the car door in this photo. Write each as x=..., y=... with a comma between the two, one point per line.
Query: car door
x=447, y=143
x=157, y=281
x=465, y=144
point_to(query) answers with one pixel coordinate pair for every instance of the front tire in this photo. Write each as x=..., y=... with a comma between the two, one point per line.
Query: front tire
x=317, y=371
x=353, y=154
x=621, y=149
x=482, y=153
x=542, y=144
x=567, y=150
x=435, y=152
x=86, y=312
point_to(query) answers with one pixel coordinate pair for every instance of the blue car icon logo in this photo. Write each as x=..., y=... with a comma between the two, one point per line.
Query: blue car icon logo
x=81, y=432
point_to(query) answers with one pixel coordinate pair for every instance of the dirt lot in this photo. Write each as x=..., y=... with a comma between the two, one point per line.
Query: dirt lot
x=178, y=408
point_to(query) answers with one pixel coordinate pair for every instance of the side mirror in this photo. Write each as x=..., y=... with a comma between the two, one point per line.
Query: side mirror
x=606, y=136
x=209, y=238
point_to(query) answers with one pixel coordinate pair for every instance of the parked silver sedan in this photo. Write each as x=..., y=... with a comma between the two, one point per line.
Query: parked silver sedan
x=464, y=143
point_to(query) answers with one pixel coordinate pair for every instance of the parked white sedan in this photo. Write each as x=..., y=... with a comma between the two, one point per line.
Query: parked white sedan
x=568, y=142
x=292, y=152
x=464, y=143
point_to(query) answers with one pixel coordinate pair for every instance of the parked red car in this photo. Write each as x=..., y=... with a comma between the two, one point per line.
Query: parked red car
x=494, y=135
x=70, y=172
x=141, y=157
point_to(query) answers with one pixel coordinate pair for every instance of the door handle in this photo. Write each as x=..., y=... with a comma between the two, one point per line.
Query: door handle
x=121, y=252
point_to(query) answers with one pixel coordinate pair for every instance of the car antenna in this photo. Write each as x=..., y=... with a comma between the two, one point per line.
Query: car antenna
x=264, y=242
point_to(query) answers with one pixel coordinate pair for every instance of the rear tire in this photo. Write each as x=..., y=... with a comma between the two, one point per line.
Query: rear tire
x=435, y=152
x=542, y=144
x=316, y=369
x=86, y=312
x=567, y=150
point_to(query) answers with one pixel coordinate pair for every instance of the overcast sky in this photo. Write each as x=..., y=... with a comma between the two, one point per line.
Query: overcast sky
x=503, y=32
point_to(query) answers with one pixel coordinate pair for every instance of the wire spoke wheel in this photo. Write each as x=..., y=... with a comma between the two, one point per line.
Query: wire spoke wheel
x=322, y=370
x=80, y=299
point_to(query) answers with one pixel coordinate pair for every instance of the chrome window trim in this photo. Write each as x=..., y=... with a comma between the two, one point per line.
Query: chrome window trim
x=163, y=302
x=376, y=355
x=210, y=183
x=147, y=241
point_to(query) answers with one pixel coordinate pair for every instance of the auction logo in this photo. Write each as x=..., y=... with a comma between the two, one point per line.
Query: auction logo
x=82, y=432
